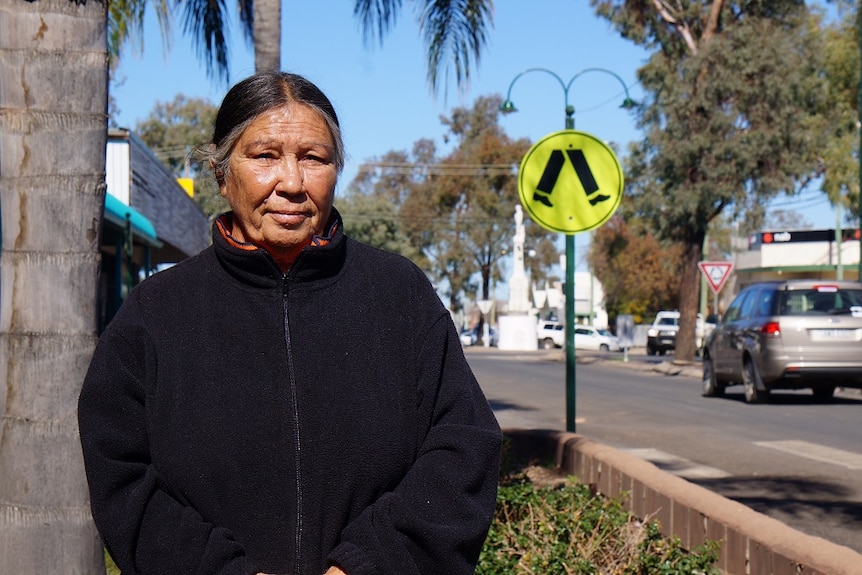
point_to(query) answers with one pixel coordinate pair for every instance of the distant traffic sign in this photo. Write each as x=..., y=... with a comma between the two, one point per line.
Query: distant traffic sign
x=716, y=273
x=570, y=182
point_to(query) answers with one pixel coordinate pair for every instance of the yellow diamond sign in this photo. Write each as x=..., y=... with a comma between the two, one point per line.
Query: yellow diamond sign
x=570, y=182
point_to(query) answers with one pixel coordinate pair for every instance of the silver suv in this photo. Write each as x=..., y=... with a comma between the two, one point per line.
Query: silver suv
x=793, y=334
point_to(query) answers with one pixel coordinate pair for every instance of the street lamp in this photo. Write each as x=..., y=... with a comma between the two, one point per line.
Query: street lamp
x=507, y=108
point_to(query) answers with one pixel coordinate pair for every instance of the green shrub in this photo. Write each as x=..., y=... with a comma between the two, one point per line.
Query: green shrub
x=563, y=528
x=110, y=567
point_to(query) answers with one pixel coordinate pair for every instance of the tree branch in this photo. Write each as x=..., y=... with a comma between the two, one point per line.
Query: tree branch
x=712, y=23
x=664, y=11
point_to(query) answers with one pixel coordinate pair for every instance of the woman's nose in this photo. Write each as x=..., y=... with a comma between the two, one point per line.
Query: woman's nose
x=290, y=176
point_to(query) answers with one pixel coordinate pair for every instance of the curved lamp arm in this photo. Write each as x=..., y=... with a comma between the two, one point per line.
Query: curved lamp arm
x=508, y=106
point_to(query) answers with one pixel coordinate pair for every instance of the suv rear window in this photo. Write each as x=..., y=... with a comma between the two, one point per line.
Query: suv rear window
x=820, y=300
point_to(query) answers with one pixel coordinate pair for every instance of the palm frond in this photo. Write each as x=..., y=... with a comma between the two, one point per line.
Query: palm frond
x=246, y=18
x=456, y=29
x=206, y=22
x=376, y=17
x=126, y=23
x=454, y=32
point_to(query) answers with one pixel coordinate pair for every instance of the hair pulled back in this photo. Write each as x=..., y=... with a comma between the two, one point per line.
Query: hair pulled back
x=257, y=95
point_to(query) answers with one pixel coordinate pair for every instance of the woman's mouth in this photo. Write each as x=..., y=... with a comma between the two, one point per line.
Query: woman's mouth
x=289, y=218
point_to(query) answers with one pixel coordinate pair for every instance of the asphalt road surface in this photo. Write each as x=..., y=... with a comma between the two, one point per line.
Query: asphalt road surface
x=794, y=459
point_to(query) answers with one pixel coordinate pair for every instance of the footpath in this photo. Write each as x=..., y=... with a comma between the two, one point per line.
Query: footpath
x=752, y=543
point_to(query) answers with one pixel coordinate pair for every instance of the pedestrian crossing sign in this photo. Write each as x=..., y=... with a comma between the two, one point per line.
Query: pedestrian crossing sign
x=570, y=182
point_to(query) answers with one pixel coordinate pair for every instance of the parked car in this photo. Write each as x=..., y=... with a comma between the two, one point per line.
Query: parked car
x=793, y=334
x=589, y=337
x=551, y=334
x=661, y=336
x=472, y=336
x=468, y=336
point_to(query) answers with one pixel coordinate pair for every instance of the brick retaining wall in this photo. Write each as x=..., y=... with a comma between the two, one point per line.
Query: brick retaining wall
x=751, y=542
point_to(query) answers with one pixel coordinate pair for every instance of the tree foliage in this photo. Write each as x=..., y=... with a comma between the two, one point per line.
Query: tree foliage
x=171, y=131
x=732, y=116
x=840, y=154
x=638, y=275
x=371, y=209
x=457, y=210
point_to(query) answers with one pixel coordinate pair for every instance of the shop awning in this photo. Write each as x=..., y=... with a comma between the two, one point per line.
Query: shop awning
x=117, y=213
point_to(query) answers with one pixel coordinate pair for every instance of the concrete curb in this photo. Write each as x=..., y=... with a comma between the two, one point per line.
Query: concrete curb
x=752, y=543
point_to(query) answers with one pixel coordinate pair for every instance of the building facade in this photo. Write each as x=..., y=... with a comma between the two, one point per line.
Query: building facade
x=150, y=220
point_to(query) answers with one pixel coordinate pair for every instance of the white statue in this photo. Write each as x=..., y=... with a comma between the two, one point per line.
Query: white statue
x=519, y=293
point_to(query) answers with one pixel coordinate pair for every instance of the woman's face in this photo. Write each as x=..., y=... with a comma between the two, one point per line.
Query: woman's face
x=281, y=180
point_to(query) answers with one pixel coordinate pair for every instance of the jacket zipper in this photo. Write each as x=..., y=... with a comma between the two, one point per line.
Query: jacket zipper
x=296, y=435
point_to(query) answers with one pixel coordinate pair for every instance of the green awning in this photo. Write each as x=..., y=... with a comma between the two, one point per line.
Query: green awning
x=117, y=213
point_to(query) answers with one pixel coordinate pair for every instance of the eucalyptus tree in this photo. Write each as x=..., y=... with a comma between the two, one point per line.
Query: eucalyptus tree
x=53, y=120
x=840, y=155
x=638, y=274
x=371, y=204
x=461, y=216
x=732, y=115
x=456, y=210
x=171, y=130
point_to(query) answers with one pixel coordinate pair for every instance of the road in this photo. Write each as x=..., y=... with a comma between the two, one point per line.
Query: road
x=793, y=459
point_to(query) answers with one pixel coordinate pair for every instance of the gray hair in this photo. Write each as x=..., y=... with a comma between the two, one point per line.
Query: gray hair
x=254, y=96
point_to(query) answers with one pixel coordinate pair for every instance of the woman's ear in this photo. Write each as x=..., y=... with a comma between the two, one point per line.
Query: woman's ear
x=219, y=173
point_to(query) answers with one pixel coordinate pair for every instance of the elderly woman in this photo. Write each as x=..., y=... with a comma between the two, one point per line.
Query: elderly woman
x=289, y=400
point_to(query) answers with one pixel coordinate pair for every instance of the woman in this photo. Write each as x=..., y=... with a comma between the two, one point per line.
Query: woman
x=289, y=400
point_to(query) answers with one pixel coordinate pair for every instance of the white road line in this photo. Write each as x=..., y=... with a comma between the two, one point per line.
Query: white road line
x=678, y=466
x=816, y=452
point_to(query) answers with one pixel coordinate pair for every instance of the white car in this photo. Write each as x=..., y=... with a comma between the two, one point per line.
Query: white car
x=661, y=336
x=553, y=334
x=472, y=336
x=589, y=337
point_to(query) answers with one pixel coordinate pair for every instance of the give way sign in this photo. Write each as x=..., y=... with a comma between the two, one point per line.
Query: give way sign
x=716, y=273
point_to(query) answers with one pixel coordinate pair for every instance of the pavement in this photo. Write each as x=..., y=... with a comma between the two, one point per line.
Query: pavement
x=636, y=359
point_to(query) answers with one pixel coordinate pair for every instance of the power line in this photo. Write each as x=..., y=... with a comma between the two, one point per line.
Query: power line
x=476, y=170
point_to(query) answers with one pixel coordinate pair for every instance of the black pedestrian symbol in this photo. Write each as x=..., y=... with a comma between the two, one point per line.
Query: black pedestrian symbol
x=552, y=173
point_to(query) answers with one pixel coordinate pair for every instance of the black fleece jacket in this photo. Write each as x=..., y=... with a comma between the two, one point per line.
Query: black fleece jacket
x=238, y=420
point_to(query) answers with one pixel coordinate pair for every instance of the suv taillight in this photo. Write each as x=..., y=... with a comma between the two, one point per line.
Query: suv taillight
x=771, y=329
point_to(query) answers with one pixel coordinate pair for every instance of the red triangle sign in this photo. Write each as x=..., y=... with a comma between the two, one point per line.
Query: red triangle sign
x=716, y=273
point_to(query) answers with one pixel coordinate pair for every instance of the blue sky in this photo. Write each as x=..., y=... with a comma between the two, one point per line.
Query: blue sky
x=381, y=93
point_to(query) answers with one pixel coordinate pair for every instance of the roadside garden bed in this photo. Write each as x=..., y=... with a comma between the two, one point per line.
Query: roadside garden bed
x=550, y=524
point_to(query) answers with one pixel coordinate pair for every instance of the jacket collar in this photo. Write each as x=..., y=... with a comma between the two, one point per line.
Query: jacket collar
x=323, y=258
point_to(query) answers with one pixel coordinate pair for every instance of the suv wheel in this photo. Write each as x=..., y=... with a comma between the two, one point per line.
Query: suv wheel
x=711, y=385
x=752, y=383
x=548, y=343
x=824, y=393
x=650, y=349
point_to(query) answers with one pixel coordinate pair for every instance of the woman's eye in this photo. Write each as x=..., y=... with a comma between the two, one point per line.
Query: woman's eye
x=316, y=158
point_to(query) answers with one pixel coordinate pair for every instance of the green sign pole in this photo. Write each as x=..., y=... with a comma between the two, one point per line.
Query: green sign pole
x=570, y=320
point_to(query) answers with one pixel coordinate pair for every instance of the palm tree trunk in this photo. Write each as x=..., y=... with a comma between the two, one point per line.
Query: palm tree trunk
x=53, y=128
x=267, y=35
